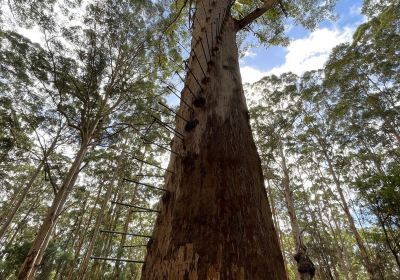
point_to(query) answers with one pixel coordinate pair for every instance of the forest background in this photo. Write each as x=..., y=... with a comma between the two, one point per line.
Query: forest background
x=86, y=118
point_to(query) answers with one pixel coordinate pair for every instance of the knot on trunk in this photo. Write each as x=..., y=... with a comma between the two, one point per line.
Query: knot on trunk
x=304, y=265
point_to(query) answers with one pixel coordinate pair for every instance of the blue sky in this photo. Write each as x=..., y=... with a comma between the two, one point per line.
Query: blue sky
x=308, y=50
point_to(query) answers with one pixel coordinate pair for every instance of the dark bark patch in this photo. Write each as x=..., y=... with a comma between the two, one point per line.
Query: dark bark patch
x=205, y=80
x=304, y=264
x=189, y=162
x=199, y=102
x=228, y=67
x=166, y=196
x=247, y=115
x=200, y=220
x=186, y=276
x=149, y=243
x=190, y=125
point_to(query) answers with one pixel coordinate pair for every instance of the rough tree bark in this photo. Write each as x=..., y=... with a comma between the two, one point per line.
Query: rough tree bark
x=215, y=221
x=305, y=266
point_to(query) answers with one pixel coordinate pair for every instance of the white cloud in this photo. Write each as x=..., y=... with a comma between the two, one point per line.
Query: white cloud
x=305, y=54
x=355, y=10
x=251, y=74
x=249, y=53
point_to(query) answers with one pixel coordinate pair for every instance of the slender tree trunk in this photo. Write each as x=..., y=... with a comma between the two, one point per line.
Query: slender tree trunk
x=78, y=244
x=215, y=221
x=326, y=267
x=125, y=229
x=22, y=195
x=104, y=239
x=345, y=261
x=380, y=169
x=77, y=241
x=392, y=247
x=87, y=226
x=276, y=222
x=43, y=235
x=21, y=224
x=128, y=219
x=369, y=266
x=96, y=230
x=108, y=242
x=305, y=266
x=336, y=234
x=27, y=188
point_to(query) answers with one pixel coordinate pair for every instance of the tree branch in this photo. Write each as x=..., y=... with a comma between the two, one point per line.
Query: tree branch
x=258, y=12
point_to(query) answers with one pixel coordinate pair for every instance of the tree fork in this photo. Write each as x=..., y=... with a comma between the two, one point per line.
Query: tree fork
x=216, y=223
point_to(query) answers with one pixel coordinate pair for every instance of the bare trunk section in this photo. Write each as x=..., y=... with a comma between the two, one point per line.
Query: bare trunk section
x=83, y=233
x=43, y=236
x=305, y=266
x=276, y=222
x=96, y=231
x=215, y=222
x=128, y=220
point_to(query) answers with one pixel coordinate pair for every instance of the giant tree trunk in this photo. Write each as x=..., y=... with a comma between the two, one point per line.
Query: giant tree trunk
x=215, y=222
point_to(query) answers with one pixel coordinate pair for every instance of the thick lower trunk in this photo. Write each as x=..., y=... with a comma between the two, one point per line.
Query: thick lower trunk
x=43, y=236
x=215, y=222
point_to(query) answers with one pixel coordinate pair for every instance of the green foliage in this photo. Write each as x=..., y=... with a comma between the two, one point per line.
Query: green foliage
x=270, y=28
x=12, y=258
x=97, y=63
x=343, y=120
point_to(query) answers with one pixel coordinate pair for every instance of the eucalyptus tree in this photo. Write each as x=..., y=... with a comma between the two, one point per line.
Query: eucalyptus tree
x=121, y=189
x=216, y=221
x=322, y=136
x=94, y=71
x=364, y=77
x=275, y=114
x=35, y=129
